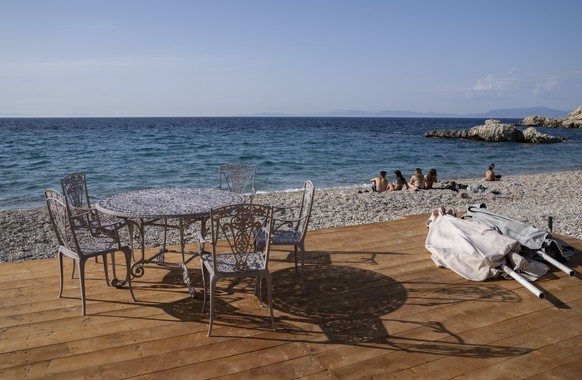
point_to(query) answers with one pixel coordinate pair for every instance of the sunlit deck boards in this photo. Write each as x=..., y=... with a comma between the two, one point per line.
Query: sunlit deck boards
x=376, y=306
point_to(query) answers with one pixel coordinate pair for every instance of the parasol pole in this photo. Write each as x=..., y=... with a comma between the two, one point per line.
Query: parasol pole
x=522, y=281
x=556, y=263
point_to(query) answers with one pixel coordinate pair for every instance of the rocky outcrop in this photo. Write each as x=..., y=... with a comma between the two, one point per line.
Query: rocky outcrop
x=493, y=131
x=496, y=131
x=541, y=121
x=532, y=135
x=573, y=120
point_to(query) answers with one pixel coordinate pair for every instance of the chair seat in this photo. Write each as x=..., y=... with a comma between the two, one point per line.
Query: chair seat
x=228, y=264
x=96, y=245
x=284, y=237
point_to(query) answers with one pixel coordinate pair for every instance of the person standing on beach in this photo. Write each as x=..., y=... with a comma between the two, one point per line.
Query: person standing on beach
x=379, y=183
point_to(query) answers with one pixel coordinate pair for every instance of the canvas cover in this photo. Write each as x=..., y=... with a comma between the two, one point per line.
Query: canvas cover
x=472, y=250
x=531, y=238
x=475, y=250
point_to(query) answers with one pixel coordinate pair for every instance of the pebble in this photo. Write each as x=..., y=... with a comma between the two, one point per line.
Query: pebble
x=27, y=234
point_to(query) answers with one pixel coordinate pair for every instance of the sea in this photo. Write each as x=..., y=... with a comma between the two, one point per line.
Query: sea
x=122, y=154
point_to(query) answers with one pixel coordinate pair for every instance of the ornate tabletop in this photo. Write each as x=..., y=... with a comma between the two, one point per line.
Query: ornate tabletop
x=152, y=207
x=167, y=203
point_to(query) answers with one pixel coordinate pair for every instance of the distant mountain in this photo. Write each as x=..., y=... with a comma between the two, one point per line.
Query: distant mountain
x=267, y=114
x=506, y=113
x=520, y=113
x=355, y=113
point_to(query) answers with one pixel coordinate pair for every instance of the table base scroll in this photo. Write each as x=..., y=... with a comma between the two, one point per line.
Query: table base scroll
x=138, y=267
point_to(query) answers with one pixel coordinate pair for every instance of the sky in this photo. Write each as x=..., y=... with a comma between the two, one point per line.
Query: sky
x=229, y=58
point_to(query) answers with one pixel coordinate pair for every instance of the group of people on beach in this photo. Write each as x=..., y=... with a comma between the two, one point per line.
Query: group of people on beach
x=418, y=181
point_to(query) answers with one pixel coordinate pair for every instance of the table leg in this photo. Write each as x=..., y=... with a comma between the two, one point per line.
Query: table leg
x=137, y=267
x=187, y=280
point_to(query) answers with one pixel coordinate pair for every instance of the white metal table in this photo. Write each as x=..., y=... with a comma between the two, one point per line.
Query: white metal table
x=154, y=207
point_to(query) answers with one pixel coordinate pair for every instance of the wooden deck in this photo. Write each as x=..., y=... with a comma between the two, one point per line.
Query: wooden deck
x=376, y=307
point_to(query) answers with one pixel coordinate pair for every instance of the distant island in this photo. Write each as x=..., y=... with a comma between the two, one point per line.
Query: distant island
x=506, y=113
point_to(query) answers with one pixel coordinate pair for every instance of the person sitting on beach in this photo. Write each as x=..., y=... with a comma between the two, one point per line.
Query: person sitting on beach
x=490, y=175
x=400, y=183
x=380, y=183
x=417, y=180
x=431, y=178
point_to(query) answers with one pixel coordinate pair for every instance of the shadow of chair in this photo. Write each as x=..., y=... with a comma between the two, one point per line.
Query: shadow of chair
x=236, y=178
x=290, y=225
x=81, y=243
x=238, y=225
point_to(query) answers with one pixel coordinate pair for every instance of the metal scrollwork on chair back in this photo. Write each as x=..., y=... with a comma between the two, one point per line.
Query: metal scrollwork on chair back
x=237, y=177
x=60, y=219
x=239, y=226
x=306, y=205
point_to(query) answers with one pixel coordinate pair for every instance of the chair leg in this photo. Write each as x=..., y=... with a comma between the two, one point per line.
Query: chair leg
x=295, y=250
x=113, y=270
x=61, y=271
x=258, y=283
x=212, y=291
x=128, y=256
x=73, y=271
x=259, y=289
x=81, y=263
x=303, y=268
x=106, y=268
x=204, y=282
x=165, y=234
x=270, y=296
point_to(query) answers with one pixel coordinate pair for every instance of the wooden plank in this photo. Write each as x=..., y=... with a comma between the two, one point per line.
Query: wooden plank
x=376, y=306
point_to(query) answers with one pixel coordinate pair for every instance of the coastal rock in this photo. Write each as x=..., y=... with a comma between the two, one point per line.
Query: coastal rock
x=496, y=131
x=573, y=120
x=447, y=133
x=493, y=131
x=532, y=135
x=541, y=121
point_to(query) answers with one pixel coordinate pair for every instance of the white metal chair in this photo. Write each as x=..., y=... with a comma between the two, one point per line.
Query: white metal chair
x=236, y=178
x=79, y=243
x=238, y=225
x=290, y=225
x=76, y=192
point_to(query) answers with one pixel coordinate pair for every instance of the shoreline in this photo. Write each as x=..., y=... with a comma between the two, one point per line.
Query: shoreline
x=27, y=234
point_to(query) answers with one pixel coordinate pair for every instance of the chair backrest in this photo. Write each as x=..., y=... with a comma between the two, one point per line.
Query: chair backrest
x=61, y=220
x=75, y=190
x=236, y=178
x=240, y=226
x=305, y=209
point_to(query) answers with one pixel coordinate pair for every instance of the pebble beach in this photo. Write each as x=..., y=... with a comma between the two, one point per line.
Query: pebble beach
x=26, y=234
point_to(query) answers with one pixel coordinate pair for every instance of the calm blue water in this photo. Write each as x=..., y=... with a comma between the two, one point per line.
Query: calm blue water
x=120, y=154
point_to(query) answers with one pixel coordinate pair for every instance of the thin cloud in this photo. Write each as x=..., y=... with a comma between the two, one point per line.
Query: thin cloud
x=546, y=86
x=494, y=83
